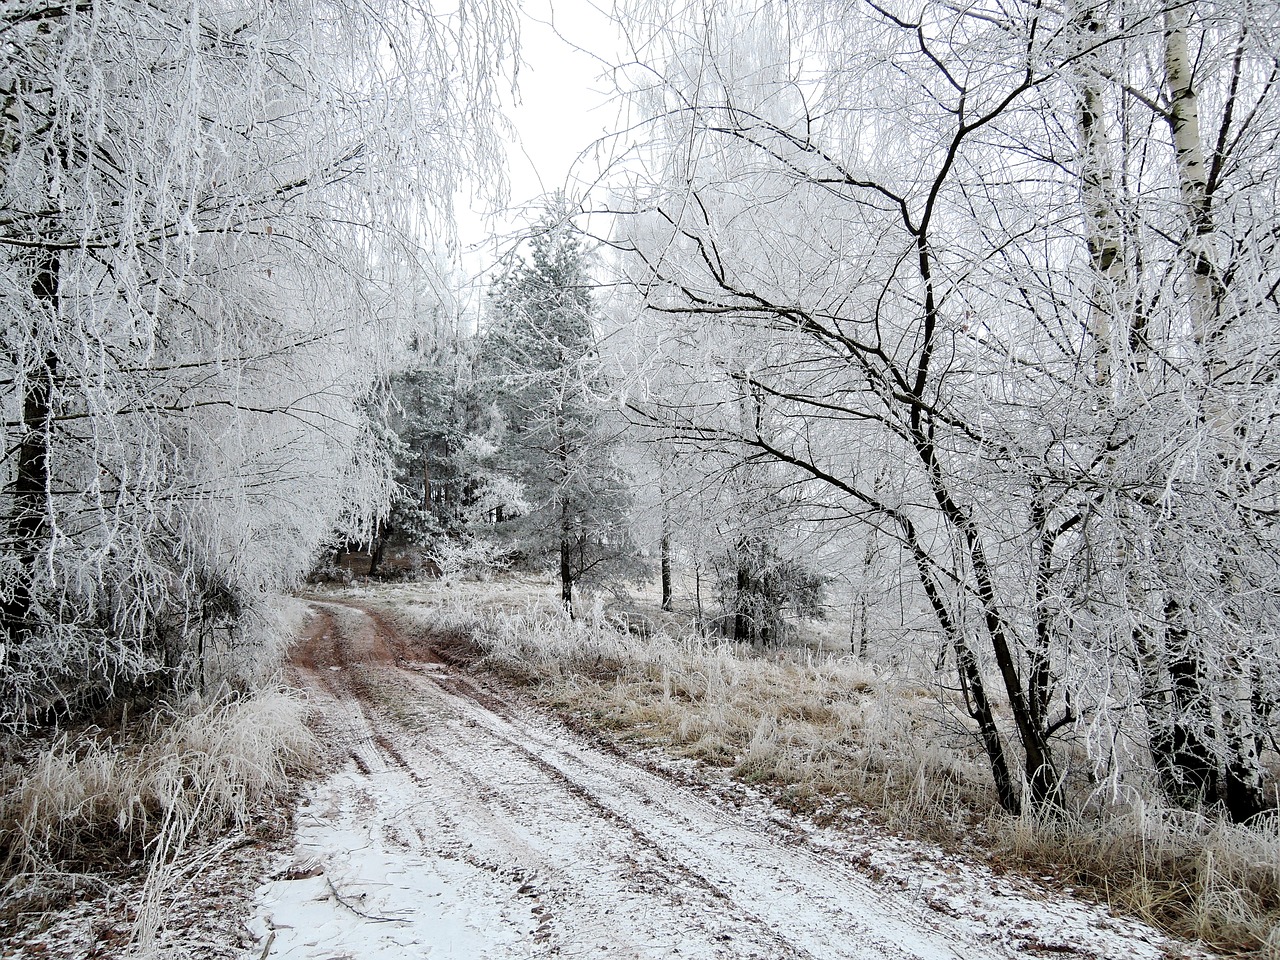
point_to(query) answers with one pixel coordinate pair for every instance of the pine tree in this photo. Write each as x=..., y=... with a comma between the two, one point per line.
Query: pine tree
x=538, y=360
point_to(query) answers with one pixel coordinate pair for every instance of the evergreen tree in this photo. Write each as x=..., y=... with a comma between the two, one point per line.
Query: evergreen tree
x=446, y=438
x=423, y=424
x=537, y=358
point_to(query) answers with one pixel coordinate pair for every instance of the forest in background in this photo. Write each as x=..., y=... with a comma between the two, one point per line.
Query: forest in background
x=957, y=324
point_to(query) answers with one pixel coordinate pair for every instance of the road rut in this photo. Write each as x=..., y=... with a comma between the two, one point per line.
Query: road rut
x=462, y=824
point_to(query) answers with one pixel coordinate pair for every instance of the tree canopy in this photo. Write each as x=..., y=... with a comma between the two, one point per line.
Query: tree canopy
x=206, y=210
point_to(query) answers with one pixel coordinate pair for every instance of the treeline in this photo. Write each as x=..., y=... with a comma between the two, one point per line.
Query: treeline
x=513, y=450
x=507, y=446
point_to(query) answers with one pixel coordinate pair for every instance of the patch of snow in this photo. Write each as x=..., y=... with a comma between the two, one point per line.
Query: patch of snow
x=376, y=897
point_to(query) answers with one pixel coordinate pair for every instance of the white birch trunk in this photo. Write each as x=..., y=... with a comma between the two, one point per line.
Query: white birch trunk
x=1112, y=298
x=1244, y=779
x=1193, y=182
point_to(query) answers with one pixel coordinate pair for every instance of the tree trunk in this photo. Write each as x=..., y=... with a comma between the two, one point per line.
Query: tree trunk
x=29, y=520
x=1154, y=695
x=1192, y=760
x=1043, y=781
x=1193, y=745
x=861, y=628
x=697, y=599
x=378, y=547
x=664, y=563
x=1040, y=680
x=1264, y=711
x=1112, y=296
x=741, y=622
x=980, y=710
x=1242, y=788
x=979, y=707
x=970, y=675
x=566, y=559
x=1193, y=182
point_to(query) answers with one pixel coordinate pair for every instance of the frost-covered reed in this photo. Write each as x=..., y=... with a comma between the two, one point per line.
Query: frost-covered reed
x=171, y=794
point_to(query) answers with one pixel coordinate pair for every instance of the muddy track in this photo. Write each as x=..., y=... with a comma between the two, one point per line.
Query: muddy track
x=467, y=825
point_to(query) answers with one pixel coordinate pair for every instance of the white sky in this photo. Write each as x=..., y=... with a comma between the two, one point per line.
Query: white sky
x=564, y=108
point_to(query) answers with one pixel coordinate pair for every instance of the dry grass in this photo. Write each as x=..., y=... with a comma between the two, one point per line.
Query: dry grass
x=210, y=767
x=1197, y=877
x=201, y=768
x=171, y=794
x=827, y=733
x=818, y=726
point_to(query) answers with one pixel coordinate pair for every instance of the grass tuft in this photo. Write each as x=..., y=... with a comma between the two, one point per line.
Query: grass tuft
x=212, y=764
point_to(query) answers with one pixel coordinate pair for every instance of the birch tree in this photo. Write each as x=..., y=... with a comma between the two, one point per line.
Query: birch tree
x=967, y=246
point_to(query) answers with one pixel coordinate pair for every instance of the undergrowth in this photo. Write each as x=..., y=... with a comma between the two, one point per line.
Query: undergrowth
x=829, y=734
x=209, y=767
x=86, y=803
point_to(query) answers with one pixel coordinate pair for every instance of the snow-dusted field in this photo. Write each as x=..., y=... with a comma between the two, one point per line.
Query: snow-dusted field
x=462, y=825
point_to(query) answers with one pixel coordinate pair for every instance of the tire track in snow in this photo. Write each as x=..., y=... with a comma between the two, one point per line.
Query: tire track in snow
x=485, y=830
x=673, y=824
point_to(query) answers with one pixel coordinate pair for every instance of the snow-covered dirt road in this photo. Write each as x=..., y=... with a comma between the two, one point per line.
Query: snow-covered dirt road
x=463, y=825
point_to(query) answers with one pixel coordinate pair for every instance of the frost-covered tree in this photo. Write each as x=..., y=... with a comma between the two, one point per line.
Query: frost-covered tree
x=1008, y=283
x=202, y=208
x=445, y=435
x=557, y=439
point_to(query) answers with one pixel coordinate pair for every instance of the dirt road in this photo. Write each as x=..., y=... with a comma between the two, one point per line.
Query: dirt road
x=463, y=825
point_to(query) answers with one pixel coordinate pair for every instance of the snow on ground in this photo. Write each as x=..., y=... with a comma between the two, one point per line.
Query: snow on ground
x=462, y=825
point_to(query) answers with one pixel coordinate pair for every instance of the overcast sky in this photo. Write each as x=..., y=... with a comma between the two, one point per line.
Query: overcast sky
x=564, y=107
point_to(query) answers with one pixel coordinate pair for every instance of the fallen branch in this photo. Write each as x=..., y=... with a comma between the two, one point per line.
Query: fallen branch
x=360, y=913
